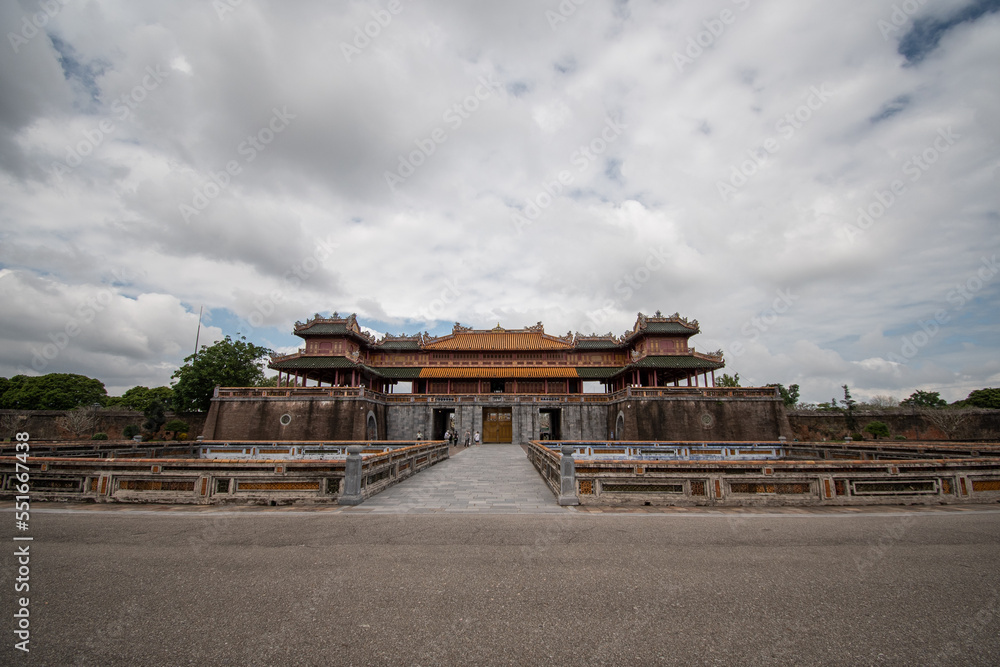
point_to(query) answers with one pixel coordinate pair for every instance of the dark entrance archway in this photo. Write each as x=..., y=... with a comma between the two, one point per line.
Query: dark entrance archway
x=550, y=424
x=444, y=420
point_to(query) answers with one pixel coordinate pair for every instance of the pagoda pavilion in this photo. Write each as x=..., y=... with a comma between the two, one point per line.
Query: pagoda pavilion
x=655, y=353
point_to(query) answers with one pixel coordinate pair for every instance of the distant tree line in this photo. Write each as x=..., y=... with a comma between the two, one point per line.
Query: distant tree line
x=228, y=363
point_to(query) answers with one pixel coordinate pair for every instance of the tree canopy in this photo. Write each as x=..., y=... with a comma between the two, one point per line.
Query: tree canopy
x=139, y=398
x=790, y=396
x=924, y=399
x=728, y=381
x=54, y=391
x=227, y=363
x=983, y=398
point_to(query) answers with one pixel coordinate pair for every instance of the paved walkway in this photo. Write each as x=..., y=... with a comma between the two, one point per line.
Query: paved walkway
x=488, y=479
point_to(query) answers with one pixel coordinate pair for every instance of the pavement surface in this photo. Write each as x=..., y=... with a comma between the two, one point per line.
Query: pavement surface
x=483, y=479
x=418, y=580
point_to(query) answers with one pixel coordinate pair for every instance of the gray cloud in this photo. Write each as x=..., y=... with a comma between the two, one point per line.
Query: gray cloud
x=524, y=205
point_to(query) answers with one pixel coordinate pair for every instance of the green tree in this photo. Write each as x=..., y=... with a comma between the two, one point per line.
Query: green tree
x=155, y=415
x=227, y=363
x=138, y=398
x=924, y=399
x=789, y=396
x=983, y=398
x=849, y=403
x=130, y=431
x=727, y=381
x=877, y=429
x=54, y=391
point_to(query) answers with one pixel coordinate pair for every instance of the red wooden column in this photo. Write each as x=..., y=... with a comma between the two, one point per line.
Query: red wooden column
x=713, y=377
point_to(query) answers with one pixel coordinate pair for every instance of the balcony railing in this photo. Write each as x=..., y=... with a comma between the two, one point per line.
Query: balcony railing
x=358, y=392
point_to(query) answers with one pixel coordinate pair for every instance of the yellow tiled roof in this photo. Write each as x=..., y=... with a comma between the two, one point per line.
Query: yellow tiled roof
x=492, y=340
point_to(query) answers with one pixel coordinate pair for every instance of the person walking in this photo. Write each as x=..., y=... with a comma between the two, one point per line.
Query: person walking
x=468, y=438
x=475, y=438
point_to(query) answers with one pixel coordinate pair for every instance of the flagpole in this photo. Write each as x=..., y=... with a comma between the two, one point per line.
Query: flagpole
x=198, y=335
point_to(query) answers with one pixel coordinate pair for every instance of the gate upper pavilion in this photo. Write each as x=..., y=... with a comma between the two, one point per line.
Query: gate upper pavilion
x=511, y=385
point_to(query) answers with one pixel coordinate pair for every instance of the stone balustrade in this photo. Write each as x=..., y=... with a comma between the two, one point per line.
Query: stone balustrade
x=224, y=480
x=965, y=475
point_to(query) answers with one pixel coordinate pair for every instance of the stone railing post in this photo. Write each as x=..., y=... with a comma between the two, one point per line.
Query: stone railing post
x=352, y=477
x=567, y=477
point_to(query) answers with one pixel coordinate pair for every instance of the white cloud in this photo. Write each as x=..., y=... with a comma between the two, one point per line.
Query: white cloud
x=448, y=229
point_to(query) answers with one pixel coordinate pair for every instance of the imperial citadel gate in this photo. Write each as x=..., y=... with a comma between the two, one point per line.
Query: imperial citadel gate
x=510, y=385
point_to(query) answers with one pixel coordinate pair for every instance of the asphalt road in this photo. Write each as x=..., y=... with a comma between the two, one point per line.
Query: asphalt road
x=140, y=587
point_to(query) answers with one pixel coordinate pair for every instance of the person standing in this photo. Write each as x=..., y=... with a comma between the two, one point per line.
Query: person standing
x=468, y=438
x=475, y=438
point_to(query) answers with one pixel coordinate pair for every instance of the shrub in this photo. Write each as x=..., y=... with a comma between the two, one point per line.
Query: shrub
x=176, y=425
x=99, y=436
x=130, y=431
x=877, y=429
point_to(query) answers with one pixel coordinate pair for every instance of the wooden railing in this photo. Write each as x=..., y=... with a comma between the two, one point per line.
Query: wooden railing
x=628, y=392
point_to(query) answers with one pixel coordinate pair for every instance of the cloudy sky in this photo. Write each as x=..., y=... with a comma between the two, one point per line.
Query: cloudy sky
x=815, y=182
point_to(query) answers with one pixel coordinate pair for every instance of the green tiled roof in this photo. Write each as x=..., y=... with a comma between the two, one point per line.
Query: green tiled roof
x=397, y=373
x=596, y=344
x=676, y=362
x=314, y=362
x=324, y=329
x=666, y=328
x=399, y=345
x=597, y=373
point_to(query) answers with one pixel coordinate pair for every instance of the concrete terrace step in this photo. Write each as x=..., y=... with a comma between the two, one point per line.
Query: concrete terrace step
x=488, y=479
